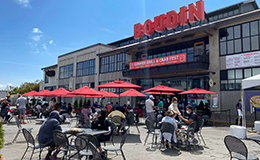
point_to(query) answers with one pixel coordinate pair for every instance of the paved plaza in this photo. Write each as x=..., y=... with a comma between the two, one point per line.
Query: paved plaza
x=134, y=148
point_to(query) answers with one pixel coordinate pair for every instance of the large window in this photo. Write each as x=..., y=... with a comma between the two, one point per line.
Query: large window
x=46, y=80
x=50, y=88
x=231, y=79
x=113, y=63
x=66, y=71
x=90, y=84
x=86, y=68
x=240, y=38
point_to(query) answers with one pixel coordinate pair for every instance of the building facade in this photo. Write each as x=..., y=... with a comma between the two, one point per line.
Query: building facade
x=213, y=51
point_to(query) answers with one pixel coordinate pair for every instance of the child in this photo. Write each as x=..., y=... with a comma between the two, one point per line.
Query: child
x=86, y=112
x=239, y=116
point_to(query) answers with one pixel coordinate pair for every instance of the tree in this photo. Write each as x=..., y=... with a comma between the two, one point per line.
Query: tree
x=75, y=104
x=80, y=103
x=85, y=102
x=89, y=102
x=24, y=87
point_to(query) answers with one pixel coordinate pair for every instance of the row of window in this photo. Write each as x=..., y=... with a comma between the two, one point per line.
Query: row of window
x=231, y=79
x=113, y=63
x=86, y=68
x=240, y=38
x=90, y=84
x=66, y=71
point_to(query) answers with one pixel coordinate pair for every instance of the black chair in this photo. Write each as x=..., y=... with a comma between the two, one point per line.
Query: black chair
x=116, y=148
x=30, y=142
x=60, y=139
x=201, y=124
x=166, y=127
x=151, y=130
x=96, y=154
x=80, y=145
x=113, y=132
x=187, y=136
x=235, y=145
x=19, y=128
x=131, y=120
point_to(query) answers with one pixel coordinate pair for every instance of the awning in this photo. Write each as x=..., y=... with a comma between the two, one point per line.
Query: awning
x=251, y=82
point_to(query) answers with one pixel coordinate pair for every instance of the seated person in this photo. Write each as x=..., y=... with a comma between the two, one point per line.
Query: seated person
x=206, y=113
x=45, y=133
x=170, y=118
x=86, y=111
x=70, y=109
x=37, y=109
x=64, y=111
x=192, y=117
x=109, y=107
x=100, y=122
x=117, y=113
x=4, y=109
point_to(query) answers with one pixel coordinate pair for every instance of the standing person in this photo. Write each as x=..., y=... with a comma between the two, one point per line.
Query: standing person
x=181, y=107
x=8, y=99
x=160, y=105
x=239, y=116
x=45, y=133
x=239, y=105
x=149, y=105
x=86, y=111
x=22, y=107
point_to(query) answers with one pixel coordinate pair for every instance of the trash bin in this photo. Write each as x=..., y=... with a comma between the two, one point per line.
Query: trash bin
x=257, y=125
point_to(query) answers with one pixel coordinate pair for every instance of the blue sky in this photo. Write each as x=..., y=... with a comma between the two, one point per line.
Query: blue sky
x=33, y=33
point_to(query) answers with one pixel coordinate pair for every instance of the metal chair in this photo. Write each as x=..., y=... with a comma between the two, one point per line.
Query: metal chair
x=60, y=139
x=29, y=140
x=187, y=136
x=96, y=154
x=151, y=130
x=113, y=132
x=131, y=120
x=116, y=148
x=166, y=127
x=80, y=145
x=19, y=128
x=199, y=135
x=235, y=145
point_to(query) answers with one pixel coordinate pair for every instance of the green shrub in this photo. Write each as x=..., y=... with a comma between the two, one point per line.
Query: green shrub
x=80, y=103
x=76, y=104
x=89, y=102
x=1, y=136
x=33, y=101
x=85, y=102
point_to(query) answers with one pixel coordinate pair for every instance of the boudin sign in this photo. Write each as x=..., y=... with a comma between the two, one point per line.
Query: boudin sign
x=170, y=20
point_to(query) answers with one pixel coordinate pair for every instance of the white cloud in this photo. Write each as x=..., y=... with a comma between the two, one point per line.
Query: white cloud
x=51, y=41
x=107, y=30
x=46, y=49
x=24, y=3
x=36, y=37
x=36, y=30
x=4, y=86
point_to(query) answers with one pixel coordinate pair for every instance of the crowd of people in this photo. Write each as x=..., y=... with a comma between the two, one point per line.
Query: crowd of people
x=175, y=112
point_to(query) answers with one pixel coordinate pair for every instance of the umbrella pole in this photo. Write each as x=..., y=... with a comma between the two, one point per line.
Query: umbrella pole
x=119, y=97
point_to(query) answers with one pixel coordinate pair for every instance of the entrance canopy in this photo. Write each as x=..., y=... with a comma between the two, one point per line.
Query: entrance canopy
x=251, y=82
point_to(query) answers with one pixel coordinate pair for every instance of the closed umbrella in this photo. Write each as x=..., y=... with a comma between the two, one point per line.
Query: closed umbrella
x=31, y=93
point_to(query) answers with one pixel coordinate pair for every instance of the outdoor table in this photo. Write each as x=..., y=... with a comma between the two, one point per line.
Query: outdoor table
x=181, y=124
x=40, y=119
x=255, y=138
x=93, y=132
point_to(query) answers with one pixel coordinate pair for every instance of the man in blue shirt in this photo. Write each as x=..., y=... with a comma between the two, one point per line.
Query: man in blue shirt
x=193, y=105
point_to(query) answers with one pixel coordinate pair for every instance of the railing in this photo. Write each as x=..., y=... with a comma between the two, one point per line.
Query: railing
x=196, y=58
x=227, y=116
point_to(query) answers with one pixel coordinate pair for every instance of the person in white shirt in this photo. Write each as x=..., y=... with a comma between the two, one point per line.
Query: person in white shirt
x=21, y=101
x=239, y=116
x=149, y=105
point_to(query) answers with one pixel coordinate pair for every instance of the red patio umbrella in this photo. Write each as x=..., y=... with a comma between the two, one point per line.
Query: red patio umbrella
x=132, y=93
x=162, y=93
x=113, y=94
x=85, y=91
x=197, y=91
x=104, y=93
x=162, y=88
x=118, y=84
x=60, y=92
x=43, y=93
x=31, y=93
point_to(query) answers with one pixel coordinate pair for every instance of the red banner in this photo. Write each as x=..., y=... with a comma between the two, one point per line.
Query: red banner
x=174, y=59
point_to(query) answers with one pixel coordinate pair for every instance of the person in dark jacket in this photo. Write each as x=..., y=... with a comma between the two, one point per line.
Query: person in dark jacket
x=45, y=133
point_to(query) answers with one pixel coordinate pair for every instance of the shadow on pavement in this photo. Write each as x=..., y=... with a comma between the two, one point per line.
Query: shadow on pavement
x=171, y=152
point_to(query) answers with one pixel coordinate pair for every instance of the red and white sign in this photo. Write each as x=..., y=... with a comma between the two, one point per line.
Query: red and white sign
x=174, y=59
x=243, y=60
x=170, y=20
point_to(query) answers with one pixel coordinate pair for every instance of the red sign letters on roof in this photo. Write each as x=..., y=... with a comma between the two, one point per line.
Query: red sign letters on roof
x=170, y=20
x=178, y=58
